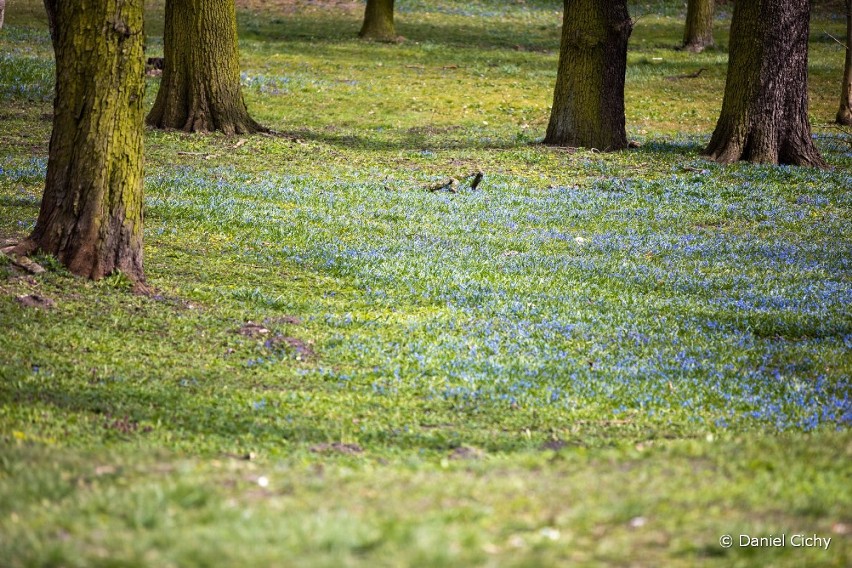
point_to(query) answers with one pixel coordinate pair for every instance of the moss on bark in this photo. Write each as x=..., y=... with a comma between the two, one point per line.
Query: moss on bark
x=698, y=32
x=378, y=21
x=764, y=115
x=91, y=211
x=588, y=101
x=200, y=86
x=844, y=113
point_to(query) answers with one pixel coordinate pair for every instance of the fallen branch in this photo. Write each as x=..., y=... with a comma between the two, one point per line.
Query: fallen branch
x=687, y=76
x=840, y=43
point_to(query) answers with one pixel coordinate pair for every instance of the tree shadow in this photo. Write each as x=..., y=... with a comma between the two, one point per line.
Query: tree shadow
x=134, y=411
x=129, y=413
x=478, y=34
x=690, y=147
x=421, y=138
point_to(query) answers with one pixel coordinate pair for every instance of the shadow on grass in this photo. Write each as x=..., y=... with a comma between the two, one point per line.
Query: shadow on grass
x=180, y=416
x=691, y=147
x=135, y=411
x=477, y=34
x=423, y=139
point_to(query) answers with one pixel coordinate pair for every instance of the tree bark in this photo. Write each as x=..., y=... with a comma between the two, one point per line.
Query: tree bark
x=91, y=211
x=200, y=86
x=698, y=32
x=764, y=115
x=588, y=101
x=378, y=21
x=2, y=12
x=844, y=114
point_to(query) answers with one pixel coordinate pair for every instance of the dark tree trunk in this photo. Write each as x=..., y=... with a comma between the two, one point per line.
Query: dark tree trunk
x=844, y=114
x=378, y=21
x=200, y=86
x=764, y=115
x=91, y=211
x=698, y=33
x=588, y=102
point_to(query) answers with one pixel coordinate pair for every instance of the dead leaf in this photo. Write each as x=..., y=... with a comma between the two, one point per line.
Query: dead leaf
x=251, y=329
x=637, y=522
x=302, y=350
x=337, y=447
x=35, y=301
x=466, y=453
x=554, y=445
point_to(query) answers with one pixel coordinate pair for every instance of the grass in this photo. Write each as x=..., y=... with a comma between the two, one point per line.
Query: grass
x=594, y=359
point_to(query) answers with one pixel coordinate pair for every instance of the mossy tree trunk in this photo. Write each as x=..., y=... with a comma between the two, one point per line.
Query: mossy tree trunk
x=844, y=115
x=200, y=86
x=764, y=115
x=698, y=32
x=378, y=21
x=588, y=101
x=91, y=211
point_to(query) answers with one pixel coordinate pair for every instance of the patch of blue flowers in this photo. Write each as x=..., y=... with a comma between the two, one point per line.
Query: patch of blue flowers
x=284, y=84
x=25, y=77
x=721, y=298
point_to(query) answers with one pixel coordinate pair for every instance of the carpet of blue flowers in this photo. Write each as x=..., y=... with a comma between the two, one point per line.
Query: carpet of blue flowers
x=721, y=296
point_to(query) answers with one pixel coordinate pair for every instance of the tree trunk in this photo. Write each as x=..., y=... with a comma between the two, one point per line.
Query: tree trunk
x=200, y=86
x=764, y=115
x=91, y=211
x=698, y=33
x=2, y=12
x=378, y=21
x=844, y=115
x=588, y=102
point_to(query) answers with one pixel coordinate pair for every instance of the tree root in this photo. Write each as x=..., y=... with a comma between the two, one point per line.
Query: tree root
x=18, y=253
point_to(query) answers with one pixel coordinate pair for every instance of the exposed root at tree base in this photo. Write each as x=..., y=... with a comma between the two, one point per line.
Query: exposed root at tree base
x=18, y=253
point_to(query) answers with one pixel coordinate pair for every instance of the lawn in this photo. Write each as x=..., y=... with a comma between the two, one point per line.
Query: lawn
x=591, y=359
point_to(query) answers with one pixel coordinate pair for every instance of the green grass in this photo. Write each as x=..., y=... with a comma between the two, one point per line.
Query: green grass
x=595, y=359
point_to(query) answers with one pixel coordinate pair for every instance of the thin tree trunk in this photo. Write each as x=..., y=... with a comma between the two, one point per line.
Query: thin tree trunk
x=200, y=86
x=844, y=114
x=91, y=211
x=588, y=101
x=2, y=12
x=764, y=115
x=378, y=21
x=698, y=32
